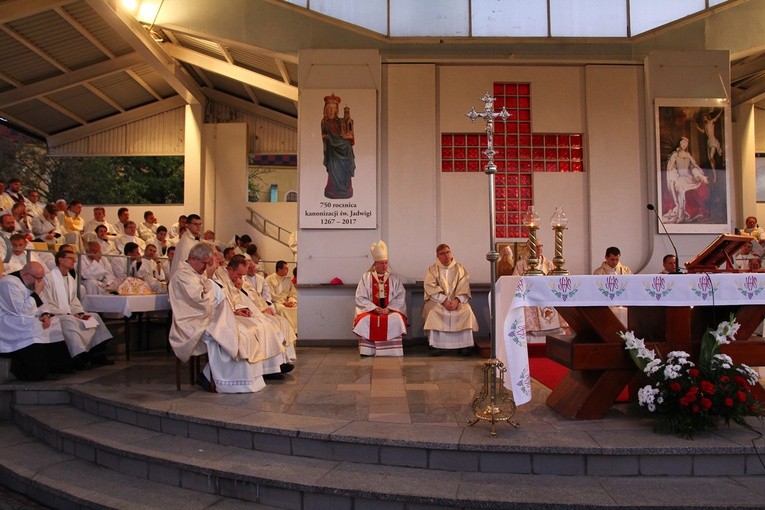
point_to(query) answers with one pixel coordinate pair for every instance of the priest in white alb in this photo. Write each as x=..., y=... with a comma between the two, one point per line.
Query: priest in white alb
x=380, y=319
x=203, y=322
x=449, y=319
x=284, y=294
x=260, y=340
x=82, y=332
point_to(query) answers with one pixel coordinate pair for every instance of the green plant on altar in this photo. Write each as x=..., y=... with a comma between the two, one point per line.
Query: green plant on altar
x=684, y=397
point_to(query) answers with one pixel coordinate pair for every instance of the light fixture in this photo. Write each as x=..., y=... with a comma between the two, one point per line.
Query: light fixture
x=559, y=221
x=531, y=221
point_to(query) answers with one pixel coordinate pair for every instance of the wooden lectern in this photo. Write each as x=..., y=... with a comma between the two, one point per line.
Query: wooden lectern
x=719, y=252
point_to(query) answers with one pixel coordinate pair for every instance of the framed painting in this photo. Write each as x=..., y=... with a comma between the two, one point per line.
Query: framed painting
x=693, y=166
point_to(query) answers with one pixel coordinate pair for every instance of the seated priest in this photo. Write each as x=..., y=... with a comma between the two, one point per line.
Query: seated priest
x=46, y=226
x=757, y=234
x=258, y=291
x=96, y=273
x=129, y=236
x=540, y=320
x=258, y=283
x=85, y=334
x=203, y=322
x=19, y=254
x=149, y=269
x=380, y=319
x=283, y=293
x=130, y=263
x=260, y=339
x=543, y=263
x=743, y=259
x=449, y=319
x=24, y=326
x=612, y=266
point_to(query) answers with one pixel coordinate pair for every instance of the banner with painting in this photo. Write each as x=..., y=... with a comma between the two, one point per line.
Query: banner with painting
x=338, y=159
x=693, y=165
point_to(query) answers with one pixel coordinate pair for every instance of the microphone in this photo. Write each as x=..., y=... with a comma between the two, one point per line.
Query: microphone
x=650, y=207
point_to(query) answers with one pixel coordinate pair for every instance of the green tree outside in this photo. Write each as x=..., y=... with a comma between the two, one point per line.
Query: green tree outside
x=93, y=180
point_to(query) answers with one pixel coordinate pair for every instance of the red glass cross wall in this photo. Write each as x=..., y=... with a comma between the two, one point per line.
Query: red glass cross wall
x=519, y=153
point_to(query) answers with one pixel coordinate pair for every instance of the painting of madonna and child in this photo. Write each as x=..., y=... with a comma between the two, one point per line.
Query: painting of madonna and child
x=693, y=167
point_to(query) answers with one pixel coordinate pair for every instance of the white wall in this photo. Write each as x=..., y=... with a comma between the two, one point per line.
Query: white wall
x=225, y=199
x=420, y=206
x=616, y=170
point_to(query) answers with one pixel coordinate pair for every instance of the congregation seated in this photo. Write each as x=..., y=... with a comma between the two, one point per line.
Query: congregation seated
x=449, y=319
x=203, y=321
x=25, y=325
x=283, y=293
x=380, y=321
x=85, y=334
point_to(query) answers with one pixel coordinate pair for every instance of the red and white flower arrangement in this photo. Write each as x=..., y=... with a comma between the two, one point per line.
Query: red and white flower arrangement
x=684, y=397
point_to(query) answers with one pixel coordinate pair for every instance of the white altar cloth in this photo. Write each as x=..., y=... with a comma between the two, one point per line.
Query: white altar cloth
x=515, y=292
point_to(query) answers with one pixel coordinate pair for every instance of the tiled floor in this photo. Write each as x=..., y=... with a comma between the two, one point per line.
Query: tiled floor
x=418, y=395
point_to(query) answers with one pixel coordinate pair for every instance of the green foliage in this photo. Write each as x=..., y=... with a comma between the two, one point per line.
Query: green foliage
x=256, y=183
x=94, y=180
x=119, y=180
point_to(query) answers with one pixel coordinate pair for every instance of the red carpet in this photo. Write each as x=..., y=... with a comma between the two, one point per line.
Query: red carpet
x=550, y=373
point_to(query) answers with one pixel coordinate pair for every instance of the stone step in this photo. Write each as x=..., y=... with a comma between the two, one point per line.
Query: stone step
x=60, y=480
x=525, y=451
x=287, y=481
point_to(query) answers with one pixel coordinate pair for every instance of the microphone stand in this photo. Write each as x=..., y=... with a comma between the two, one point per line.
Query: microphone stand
x=650, y=207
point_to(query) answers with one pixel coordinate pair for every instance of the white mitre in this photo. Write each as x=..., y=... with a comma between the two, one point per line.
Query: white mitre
x=379, y=251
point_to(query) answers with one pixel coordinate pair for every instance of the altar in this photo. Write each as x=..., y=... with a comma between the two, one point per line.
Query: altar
x=671, y=312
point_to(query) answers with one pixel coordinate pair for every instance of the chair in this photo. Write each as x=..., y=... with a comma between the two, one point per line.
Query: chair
x=195, y=366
